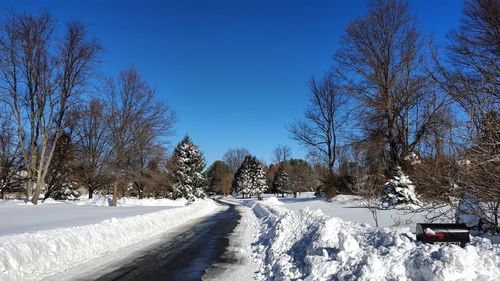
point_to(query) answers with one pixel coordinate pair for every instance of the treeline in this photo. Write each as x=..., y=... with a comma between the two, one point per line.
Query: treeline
x=241, y=173
x=68, y=130
x=64, y=127
x=396, y=103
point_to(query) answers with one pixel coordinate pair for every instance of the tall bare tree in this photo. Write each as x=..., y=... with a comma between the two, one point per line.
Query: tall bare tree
x=281, y=153
x=137, y=122
x=323, y=119
x=92, y=146
x=381, y=61
x=234, y=157
x=469, y=72
x=41, y=76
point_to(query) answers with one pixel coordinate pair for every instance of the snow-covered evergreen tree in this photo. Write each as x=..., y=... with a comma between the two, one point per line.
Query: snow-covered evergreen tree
x=189, y=163
x=250, y=178
x=242, y=179
x=281, y=182
x=259, y=178
x=399, y=189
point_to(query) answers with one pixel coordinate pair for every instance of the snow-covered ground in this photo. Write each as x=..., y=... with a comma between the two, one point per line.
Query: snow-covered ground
x=241, y=265
x=351, y=208
x=311, y=239
x=55, y=214
x=52, y=238
x=301, y=238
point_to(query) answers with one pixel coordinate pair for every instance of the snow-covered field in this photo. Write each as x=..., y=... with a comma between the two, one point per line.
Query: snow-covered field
x=55, y=214
x=43, y=240
x=311, y=239
x=351, y=208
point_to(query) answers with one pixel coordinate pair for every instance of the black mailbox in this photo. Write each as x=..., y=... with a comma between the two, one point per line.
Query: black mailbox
x=443, y=233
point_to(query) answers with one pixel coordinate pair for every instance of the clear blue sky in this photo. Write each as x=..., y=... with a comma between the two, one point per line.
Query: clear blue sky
x=235, y=71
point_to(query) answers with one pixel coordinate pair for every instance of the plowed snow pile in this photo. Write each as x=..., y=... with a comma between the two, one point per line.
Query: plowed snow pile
x=309, y=245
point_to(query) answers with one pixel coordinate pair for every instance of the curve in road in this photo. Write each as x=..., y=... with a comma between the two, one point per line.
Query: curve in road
x=187, y=256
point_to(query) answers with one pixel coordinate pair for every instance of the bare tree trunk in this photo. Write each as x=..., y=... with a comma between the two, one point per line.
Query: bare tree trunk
x=115, y=194
x=374, y=212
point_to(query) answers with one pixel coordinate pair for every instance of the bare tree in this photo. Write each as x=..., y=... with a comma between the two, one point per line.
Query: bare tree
x=40, y=78
x=323, y=119
x=469, y=73
x=153, y=180
x=137, y=122
x=381, y=60
x=369, y=187
x=92, y=146
x=10, y=159
x=234, y=157
x=281, y=153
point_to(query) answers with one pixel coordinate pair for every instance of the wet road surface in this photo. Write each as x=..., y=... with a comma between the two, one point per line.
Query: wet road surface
x=186, y=256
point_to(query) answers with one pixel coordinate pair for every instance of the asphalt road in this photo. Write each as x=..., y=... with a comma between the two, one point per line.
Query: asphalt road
x=186, y=256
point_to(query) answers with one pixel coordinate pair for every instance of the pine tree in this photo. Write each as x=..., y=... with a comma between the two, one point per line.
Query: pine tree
x=259, y=184
x=281, y=182
x=399, y=189
x=189, y=163
x=59, y=183
x=242, y=179
x=250, y=178
x=219, y=177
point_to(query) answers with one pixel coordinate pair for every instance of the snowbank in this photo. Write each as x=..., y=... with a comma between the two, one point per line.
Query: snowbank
x=51, y=201
x=309, y=245
x=237, y=260
x=32, y=256
x=105, y=201
x=272, y=201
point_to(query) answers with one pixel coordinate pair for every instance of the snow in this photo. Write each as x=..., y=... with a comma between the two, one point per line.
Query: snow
x=128, y=201
x=352, y=208
x=37, y=254
x=25, y=217
x=303, y=238
x=273, y=201
x=429, y=232
x=309, y=245
x=250, y=177
x=399, y=189
x=189, y=162
x=472, y=213
x=240, y=245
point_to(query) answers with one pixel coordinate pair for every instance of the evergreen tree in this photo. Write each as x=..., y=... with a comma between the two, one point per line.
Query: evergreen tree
x=399, y=189
x=189, y=163
x=259, y=184
x=59, y=184
x=250, y=178
x=219, y=177
x=242, y=179
x=281, y=182
x=301, y=175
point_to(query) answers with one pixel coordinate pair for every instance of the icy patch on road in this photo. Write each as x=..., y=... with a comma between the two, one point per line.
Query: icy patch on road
x=33, y=256
x=309, y=245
